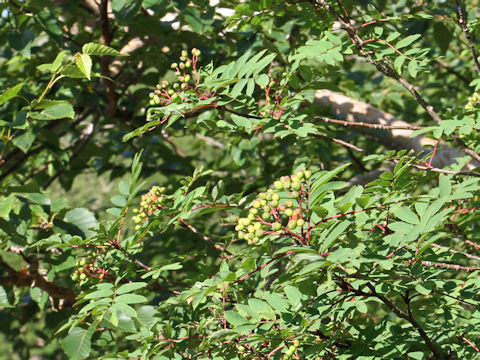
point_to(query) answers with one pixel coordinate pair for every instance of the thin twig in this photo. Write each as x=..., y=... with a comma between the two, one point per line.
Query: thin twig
x=387, y=70
x=341, y=142
x=462, y=19
x=367, y=125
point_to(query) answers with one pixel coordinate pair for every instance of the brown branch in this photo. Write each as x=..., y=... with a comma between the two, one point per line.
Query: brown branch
x=449, y=266
x=453, y=251
x=341, y=142
x=367, y=125
x=462, y=19
x=34, y=279
x=106, y=36
x=408, y=317
x=387, y=70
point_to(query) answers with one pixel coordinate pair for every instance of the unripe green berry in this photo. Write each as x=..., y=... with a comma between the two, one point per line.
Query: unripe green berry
x=296, y=185
x=83, y=276
x=174, y=66
x=256, y=204
x=257, y=226
x=251, y=216
x=266, y=215
x=241, y=235
x=274, y=203
x=183, y=86
x=292, y=349
x=300, y=222
x=295, y=194
x=263, y=202
x=75, y=276
x=300, y=174
x=276, y=226
x=296, y=343
x=82, y=262
x=175, y=97
x=262, y=196
x=197, y=53
x=187, y=78
x=176, y=86
x=239, y=227
x=275, y=197
x=246, y=221
x=253, y=211
x=278, y=185
x=292, y=224
x=184, y=53
x=259, y=233
x=241, y=348
x=308, y=174
x=289, y=203
x=188, y=64
x=282, y=207
x=182, y=65
x=289, y=212
x=255, y=240
x=251, y=229
x=269, y=195
x=171, y=92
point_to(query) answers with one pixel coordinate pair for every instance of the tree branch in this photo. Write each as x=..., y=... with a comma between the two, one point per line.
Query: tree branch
x=462, y=19
x=34, y=279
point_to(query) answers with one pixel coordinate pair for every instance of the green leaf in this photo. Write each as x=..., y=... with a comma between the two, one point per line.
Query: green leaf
x=398, y=63
x=276, y=301
x=83, y=219
x=10, y=93
x=84, y=63
x=262, y=80
x=407, y=41
x=73, y=72
x=99, y=294
x=262, y=309
x=54, y=112
x=234, y=318
x=445, y=186
x=238, y=88
x=126, y=288
x=130, y=299
x=413, y=68
x=4, y=302
x=293, y=295
x=334, y=234
x=407, y=215
x=99, y=49
x=77, y=343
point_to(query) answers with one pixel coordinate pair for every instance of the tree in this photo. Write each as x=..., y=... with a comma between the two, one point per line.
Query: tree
x=239, y=181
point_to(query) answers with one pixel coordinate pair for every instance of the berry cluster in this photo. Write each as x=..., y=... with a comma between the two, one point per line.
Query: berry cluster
x=151, y=202
x=291, y=350
x=275, y=212
x=187, y=75
x=89, y=268
x=472, y=101
x=80, y=273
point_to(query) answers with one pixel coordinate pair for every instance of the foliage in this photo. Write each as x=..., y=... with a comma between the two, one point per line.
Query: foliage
x=173, y=187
